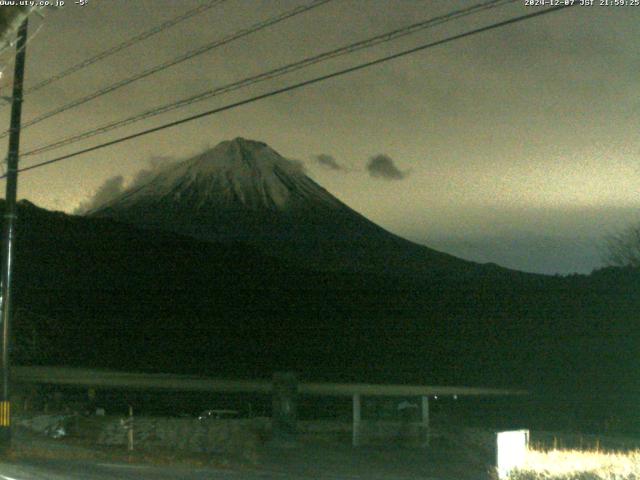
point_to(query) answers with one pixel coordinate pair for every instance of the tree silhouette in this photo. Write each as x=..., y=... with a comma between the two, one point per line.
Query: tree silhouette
x=623, y=249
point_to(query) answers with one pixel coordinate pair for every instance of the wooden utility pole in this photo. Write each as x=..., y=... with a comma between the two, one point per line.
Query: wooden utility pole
x=9, y=233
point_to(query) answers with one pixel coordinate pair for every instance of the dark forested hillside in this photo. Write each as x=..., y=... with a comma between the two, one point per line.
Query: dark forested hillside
x=94, y=292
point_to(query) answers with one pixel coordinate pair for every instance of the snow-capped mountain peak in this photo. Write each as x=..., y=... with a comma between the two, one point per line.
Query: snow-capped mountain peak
x=235, y=174
x=243, y=190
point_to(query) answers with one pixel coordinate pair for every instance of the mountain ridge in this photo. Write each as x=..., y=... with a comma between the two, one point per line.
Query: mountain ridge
x=243, y=190
x=95, y=292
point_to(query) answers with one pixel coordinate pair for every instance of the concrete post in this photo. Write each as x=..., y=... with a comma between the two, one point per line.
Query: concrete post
x=285, y=412
x=425, y=422
x=356, y=420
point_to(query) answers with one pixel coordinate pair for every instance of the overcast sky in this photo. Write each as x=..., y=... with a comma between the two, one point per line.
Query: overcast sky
x=517, y=146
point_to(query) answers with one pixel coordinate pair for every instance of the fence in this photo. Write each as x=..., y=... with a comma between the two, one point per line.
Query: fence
x=284, y=389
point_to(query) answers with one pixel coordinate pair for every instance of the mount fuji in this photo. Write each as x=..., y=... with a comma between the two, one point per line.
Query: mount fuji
x=352, y=302
x=244, y=191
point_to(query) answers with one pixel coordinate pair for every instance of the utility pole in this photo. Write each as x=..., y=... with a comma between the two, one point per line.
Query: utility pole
x=9, y=233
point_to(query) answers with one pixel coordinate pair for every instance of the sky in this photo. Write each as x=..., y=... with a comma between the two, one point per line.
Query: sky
x=517, y=146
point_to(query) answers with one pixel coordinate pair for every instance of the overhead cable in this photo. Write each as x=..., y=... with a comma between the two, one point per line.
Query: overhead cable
x=296, y=86
x=126, y=44
x=163, y=66
x=271, y=74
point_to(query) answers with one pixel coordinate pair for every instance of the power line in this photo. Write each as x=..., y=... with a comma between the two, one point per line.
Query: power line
x=296, y=86
x=126, y=44
x=30, y=39
x=271, y=74
x=163, y=66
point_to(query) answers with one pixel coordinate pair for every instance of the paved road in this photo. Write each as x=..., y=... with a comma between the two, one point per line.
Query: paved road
x=83, y=470
x=304, y=461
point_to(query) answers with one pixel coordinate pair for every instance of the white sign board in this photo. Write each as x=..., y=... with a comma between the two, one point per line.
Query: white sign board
x=511, y=450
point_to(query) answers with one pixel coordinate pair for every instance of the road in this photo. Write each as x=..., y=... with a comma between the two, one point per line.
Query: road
x=72, y=470
x=38, y=458
x=85, y=470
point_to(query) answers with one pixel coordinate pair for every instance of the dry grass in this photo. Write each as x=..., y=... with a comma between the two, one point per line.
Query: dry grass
x=579, y=465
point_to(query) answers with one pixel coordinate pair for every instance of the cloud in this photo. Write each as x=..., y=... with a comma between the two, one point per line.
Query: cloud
x=328, y=161
x=297, y=165
x=114, y=186
x=155, y=165
x=382, y=166
x=110, y=189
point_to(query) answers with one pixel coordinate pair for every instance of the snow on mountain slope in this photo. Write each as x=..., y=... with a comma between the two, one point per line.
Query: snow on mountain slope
x=243, y=190
x=235, y=173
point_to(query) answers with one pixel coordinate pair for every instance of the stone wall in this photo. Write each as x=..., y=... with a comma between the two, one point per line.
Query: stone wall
x=212, y=436
x=220, y=435
x=384, y=432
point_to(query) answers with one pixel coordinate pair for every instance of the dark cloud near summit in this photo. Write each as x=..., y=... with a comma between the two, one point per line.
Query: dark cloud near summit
x=298, y=165
x=328, y=161
x=382, y=166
